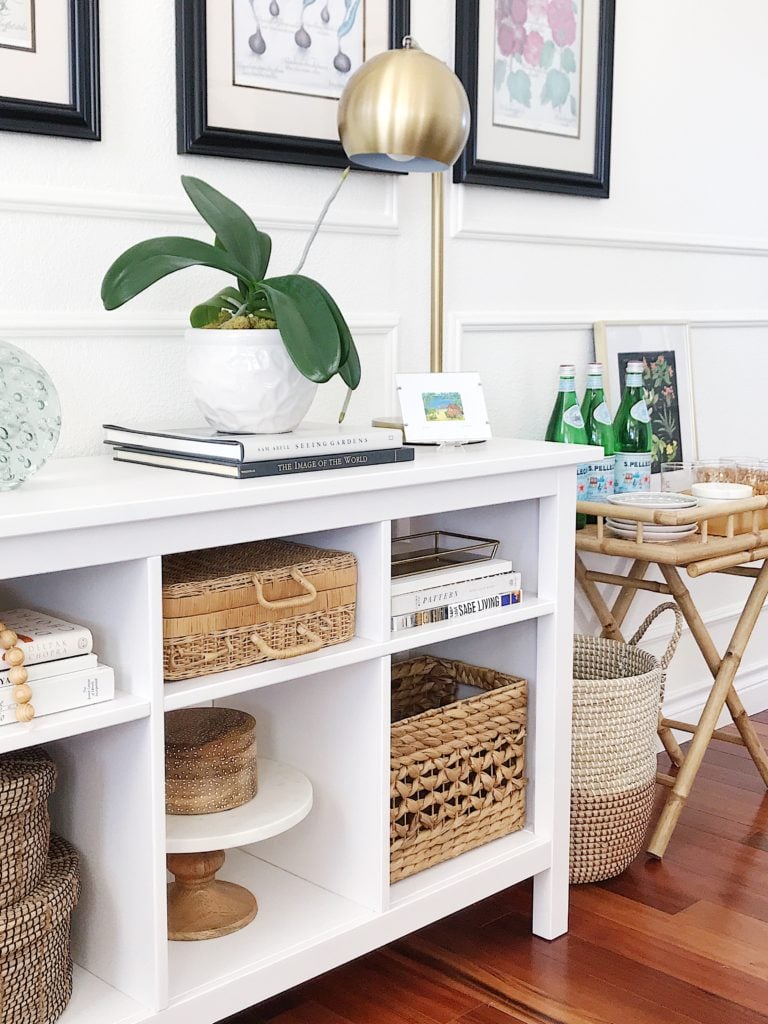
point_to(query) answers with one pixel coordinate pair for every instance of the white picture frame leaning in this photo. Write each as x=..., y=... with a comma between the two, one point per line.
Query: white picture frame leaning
x=665, y=349
x=442, y=408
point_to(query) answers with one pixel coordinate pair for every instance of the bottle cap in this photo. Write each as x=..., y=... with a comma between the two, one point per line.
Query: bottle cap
x=567, y=370
x=594, y=368
x=635, y=366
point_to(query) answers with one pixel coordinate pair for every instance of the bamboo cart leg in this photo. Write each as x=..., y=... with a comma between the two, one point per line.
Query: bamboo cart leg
x=626, y=595
x=739, y=641
x=725, y=673
x=599, y=607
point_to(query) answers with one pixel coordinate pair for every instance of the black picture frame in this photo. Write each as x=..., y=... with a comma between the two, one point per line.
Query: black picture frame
x=196, y=135
x=472, y=170
x=81, y=118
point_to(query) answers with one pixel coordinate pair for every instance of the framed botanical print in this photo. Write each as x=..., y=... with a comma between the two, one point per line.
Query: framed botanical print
x=261, y=79
x=49, y=67
x=539, y=77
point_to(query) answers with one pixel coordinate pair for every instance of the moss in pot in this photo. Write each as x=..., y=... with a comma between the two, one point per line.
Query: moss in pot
x=257, y=348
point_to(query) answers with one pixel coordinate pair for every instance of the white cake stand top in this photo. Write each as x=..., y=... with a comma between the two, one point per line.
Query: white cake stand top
x=283, y=799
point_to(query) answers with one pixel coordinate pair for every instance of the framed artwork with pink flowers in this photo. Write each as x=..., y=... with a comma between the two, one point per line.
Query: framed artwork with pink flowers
x=539, y=76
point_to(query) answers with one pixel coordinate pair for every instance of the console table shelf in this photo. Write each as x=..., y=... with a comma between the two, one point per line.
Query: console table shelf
x=84, y=539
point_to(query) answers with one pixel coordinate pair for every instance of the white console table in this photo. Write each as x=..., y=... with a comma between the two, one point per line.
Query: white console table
x=84, y=539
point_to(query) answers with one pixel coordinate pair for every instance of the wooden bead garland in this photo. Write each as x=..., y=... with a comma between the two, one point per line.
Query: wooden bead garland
x=18, y=675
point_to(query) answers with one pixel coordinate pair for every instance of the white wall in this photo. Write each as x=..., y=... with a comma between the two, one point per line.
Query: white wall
x=683, y=236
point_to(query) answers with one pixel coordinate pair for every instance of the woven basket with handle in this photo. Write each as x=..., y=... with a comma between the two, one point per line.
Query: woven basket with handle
x=457, y=766
x=617, y=695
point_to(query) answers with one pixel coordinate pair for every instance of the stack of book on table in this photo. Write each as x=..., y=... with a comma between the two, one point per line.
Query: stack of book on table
x=311, y=448
x=477, y=588
x=62, y=669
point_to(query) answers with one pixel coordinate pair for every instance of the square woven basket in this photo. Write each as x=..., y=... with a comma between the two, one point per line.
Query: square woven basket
x=239, y=605
x=456, y=766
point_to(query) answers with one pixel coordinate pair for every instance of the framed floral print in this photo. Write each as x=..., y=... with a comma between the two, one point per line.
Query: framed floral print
x=539, y=77
x=49, y=67
x=261, y=79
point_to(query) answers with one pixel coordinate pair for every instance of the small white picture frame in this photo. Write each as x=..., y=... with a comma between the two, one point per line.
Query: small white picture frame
x=442, y=408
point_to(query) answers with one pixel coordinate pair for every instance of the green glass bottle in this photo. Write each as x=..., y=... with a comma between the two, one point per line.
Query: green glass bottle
x=599, y=428
x=633, y=435
x=566, y=425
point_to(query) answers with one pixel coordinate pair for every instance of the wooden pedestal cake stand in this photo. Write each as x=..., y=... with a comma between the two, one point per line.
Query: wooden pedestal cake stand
x=201, y=906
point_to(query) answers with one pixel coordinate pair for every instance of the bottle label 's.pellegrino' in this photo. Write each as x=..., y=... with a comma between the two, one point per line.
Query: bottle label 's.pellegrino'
x=582, y=481
x=632, y=471
x=639, y=412
x=567, y=384
x=573, y=417
x=634, y=380
x=602, y=415
x=600, y=479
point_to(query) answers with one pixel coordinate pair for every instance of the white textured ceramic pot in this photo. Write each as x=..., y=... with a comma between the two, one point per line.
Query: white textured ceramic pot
x=245, y=382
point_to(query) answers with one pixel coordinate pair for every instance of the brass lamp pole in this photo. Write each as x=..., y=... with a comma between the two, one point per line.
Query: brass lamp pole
x=404, y=110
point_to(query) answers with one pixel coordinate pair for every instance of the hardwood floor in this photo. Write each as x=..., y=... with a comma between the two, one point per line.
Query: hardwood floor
x=682, y=941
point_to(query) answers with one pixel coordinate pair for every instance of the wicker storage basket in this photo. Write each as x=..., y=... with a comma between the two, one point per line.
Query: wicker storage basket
x=233, y=606
x=210, y=760
x=35, y=965
x=27, y=779
x=617, y=695
x=456, y=768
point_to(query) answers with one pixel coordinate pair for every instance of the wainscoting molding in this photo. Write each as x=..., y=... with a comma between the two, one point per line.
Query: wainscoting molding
x=461, y=227
x=71, y=202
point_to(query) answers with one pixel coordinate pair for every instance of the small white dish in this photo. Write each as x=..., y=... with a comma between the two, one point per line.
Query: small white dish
x=716, y=491
x=629, y=524
x=654, y=499
x=654, y=538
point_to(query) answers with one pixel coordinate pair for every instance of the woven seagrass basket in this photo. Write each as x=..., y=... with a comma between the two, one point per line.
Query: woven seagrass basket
x=617, y=695
x=35, y=963
x=27, y=779
x=457, y=766
x=240, y=605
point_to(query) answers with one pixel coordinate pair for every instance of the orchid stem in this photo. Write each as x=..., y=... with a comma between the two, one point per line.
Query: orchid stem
x=321, y=218
x=345, y=406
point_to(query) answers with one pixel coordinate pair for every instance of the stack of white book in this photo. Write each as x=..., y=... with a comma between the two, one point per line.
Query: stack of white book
x=477, y=588
x=63, y=671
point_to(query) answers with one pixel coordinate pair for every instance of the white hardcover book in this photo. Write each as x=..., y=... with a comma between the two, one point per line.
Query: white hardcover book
x=435, y=597
x=62, y=693
x=309, y=439
x=44, y=637
x=451, y=574
x=478, y=606
x=49, y=669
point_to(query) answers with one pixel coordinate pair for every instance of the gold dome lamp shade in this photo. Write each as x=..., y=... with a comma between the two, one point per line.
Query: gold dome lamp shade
x=406, y=111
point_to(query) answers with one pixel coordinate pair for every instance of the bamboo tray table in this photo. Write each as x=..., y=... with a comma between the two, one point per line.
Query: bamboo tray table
x=698, y=554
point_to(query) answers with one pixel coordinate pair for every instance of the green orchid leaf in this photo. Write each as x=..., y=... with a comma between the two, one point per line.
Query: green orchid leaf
x=350, y=371
x=234, y=229
x=143, y=264
x=207, y=312
x=306, y=324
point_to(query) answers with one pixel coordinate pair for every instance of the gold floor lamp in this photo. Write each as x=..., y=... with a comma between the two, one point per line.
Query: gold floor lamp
x=404, y=110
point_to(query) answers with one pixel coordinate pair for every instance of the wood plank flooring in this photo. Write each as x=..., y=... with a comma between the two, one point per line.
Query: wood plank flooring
x=682, y=941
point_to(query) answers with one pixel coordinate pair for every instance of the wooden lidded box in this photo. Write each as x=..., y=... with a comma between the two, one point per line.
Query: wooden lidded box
x=210, y=760
x=240, y=605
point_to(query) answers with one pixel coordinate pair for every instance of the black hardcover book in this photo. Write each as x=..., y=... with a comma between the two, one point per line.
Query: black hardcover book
x=277, y=467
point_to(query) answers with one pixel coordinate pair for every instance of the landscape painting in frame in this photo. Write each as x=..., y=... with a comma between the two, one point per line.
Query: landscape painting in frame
x=443, y=405
x=17, y=24
x=664, y=351
x=305, y=47
x=537, y=65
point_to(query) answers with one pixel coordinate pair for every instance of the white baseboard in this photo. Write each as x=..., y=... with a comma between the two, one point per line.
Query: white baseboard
x=752, y=686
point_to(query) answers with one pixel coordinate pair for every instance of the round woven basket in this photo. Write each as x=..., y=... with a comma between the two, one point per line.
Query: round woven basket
x=617, y=696
x=27, y=779
x=35, y=963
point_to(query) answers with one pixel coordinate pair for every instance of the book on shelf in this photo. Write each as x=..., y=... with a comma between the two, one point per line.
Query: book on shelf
x=207, y=443
x=277, y=467
x=45, y=637
x=452, y=593
x=62, y=693
x=450, y=575
x=476, y=607
x=48, y=669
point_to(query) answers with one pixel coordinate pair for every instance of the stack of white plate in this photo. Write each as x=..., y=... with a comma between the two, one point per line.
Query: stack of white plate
x=627, y=528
